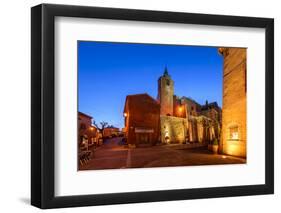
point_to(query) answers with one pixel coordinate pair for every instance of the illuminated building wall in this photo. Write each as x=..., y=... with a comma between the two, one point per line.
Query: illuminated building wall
x=173, y=129
x=234, y=125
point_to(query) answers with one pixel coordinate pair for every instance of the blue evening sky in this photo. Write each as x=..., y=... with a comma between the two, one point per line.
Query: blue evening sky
x=108, y=72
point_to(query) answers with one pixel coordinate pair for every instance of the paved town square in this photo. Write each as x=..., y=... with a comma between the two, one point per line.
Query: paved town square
x=112, y=155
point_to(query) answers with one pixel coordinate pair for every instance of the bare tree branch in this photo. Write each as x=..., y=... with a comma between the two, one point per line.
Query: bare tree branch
x=101, y=126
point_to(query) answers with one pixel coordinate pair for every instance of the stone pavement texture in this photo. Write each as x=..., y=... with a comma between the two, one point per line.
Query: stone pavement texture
x=111, y=155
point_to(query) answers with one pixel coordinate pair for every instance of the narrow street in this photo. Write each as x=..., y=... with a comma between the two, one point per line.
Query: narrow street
x=112, y=155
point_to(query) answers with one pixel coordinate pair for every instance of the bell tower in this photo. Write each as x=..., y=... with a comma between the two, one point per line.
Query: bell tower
x=166, y=93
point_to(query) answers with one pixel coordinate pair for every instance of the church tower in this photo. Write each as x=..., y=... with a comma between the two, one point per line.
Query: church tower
x=166, y=93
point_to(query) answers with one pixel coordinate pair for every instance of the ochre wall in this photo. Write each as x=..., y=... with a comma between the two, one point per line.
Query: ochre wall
x=174, y=127
x=202, y=129
x=234, y=101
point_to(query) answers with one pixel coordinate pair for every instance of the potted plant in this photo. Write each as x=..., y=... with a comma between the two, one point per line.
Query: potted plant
x=215, y=146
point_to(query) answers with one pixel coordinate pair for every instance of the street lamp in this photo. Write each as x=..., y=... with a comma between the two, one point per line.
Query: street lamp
x=125, y=114
x=180, y=110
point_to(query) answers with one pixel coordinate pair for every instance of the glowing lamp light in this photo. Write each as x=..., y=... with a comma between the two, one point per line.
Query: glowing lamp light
x=125, y=114
x=180, y=109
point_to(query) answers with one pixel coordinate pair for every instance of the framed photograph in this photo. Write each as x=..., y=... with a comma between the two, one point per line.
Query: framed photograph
x=136, y=106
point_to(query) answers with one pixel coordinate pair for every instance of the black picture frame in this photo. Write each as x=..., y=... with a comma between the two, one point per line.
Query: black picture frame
x=43, y=117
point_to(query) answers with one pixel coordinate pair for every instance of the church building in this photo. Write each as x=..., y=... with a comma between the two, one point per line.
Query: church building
x=169, y=118
x=183, y=119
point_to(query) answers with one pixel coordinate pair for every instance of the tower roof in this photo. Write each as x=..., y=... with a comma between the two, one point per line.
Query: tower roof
x=166, y=72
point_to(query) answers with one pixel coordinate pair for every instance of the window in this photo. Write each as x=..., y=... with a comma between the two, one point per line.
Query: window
x=233, y=133
x=82, y=126
x=168, y=82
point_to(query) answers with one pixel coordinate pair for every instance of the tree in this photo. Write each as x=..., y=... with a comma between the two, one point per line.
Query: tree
x=102, y=125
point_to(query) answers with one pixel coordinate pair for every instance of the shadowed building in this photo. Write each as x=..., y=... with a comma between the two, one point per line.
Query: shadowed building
x=110, y=131
x=141, y=114
x=234, y=125
x=88, y=134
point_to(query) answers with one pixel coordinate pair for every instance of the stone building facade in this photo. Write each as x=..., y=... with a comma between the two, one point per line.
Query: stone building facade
x=186, y=120
x=173, y=126
x=173, y=129
x=170, y=119
x=166, y=93
x=234, y=123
